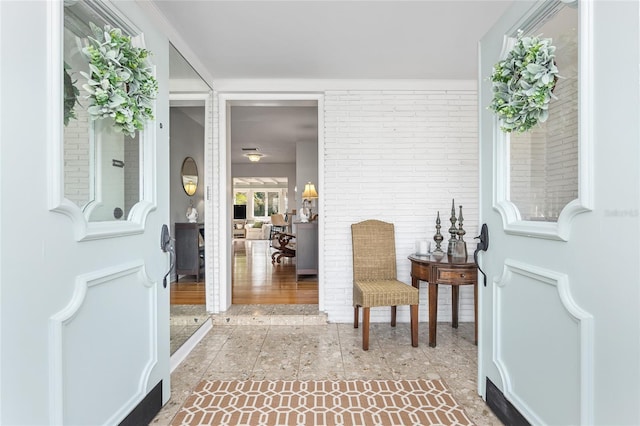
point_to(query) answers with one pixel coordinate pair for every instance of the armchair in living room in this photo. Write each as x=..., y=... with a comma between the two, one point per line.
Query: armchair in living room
x=257, y=231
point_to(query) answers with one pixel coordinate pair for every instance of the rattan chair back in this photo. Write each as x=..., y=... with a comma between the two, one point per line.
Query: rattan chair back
x=374, y=251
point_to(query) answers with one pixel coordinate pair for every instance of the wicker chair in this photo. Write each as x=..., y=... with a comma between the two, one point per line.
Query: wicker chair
x=374, y=276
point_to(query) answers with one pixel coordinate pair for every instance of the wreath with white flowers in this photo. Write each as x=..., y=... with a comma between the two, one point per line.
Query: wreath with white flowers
x=523, y=84
x=120, y=83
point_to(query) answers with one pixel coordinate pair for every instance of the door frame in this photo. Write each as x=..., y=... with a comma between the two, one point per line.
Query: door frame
x=222, y=192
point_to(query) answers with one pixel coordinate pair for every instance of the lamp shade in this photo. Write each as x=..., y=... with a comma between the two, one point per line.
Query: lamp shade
x=309, y=191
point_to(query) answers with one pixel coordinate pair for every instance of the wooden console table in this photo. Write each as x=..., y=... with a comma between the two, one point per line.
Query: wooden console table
x=445, y=271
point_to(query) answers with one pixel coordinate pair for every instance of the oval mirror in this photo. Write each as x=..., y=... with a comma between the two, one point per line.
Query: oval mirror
x=189, y=175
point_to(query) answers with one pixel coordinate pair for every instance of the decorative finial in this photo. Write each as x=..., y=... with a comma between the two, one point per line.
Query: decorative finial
x=461, y=231
x=453, y=231
x=461, y=245
x=438, y=237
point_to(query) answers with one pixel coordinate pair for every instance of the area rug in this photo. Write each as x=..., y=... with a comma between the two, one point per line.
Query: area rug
x=321, y=402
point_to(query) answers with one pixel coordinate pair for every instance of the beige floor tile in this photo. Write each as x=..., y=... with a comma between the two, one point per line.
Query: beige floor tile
x=246, y=344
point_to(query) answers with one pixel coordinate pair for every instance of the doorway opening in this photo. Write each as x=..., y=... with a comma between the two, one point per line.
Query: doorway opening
x=286, y=130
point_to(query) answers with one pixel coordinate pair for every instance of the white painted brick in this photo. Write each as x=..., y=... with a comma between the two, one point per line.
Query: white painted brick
x=393, y=155
x=401, y=162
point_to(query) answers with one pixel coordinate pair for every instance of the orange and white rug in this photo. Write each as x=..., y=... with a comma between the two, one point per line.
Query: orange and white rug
x=321, y=402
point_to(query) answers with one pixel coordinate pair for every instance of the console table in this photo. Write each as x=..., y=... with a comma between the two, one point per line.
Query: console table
x=189, y=251
x=445, y=270
x=306, y=248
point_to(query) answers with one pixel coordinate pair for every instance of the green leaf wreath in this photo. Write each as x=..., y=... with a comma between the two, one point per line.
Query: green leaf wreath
x=119, y=82
x=523, y=84
x=71, y=93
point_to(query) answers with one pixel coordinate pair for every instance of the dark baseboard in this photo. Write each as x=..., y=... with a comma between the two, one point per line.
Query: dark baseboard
x=502, y=408
x=147, y=409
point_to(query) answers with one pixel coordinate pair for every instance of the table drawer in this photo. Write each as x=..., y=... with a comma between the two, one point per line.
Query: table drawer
x=421, y=272
x=457, y=276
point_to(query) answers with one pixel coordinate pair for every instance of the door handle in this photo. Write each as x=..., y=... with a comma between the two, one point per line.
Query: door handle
x=483, y=245
x=166, y=245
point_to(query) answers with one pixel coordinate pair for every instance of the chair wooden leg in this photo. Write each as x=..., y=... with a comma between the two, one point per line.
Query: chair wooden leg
x=356, y=309
x=394, y=310
x=365, y=329
x=414, y=326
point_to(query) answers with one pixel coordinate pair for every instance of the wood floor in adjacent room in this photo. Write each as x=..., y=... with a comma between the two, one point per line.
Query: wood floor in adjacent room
x=254, y=280
x=257, y=281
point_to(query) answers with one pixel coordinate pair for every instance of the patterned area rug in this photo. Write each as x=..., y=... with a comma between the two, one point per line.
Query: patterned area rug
x=321, y=402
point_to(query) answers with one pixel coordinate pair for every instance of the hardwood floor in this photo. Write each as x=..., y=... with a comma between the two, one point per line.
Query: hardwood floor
x=257, y=281
x=254, y=280
x=186, y=292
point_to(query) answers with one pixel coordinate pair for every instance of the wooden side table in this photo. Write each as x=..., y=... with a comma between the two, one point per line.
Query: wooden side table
x=447, y=271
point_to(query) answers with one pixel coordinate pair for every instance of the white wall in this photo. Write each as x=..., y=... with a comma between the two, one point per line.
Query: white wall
x=187, y=140
x=400, y=157
x=397, y=155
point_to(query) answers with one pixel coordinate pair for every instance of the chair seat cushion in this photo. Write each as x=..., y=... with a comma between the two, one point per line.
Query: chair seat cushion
x=384, y=293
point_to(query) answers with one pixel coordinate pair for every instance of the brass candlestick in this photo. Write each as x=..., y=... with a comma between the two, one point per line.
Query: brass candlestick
x=438, y=237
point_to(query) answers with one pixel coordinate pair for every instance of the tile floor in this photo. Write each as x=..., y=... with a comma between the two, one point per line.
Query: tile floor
x=184, y=320
x=295, y=342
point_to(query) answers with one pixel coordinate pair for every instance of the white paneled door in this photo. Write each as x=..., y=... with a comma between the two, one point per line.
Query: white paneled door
x=561, y=203
x=85, y=327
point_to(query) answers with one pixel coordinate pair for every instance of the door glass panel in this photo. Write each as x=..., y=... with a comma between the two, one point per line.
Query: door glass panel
x=101, y=165
x=544, y=161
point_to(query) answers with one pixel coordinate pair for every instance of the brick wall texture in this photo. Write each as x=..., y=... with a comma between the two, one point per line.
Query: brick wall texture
x=397, y=156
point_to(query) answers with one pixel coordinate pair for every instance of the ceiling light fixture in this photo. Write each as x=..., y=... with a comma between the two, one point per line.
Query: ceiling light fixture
x=252, y=154
x=254, y=157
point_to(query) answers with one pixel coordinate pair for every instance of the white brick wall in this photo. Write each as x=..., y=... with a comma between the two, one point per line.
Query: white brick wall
x=77, y=161
x=398, y=156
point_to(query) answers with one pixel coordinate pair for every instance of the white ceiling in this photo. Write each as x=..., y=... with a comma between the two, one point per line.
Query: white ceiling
x=321, y=40
x=273, y=130
x=334, y=39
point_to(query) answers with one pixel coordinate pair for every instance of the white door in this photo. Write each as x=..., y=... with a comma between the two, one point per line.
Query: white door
x=85, y=328
x=559, y=313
